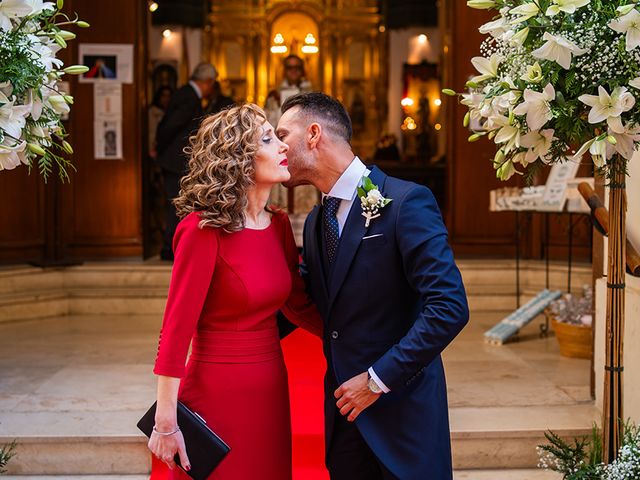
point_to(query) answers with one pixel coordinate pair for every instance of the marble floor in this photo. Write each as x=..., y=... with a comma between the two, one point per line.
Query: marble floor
x=97, y=371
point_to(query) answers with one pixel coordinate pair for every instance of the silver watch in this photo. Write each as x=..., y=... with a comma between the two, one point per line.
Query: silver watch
x=373, y=386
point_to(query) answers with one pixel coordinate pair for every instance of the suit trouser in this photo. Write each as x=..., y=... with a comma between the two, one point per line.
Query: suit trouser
x=350, y=458
x=171, y=188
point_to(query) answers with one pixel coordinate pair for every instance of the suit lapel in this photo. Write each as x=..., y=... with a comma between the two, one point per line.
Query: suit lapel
x=351, y=238
x=313, y=251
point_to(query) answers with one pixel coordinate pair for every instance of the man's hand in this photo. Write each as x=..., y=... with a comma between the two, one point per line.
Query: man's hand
x=354, y=396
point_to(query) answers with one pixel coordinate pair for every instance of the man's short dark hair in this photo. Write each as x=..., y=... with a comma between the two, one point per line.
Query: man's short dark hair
x=326, y=109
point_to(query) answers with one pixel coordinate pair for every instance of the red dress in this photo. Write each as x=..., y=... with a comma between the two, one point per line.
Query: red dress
x=224, y=293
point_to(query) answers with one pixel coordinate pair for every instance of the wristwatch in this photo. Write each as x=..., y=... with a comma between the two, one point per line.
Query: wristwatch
x=373, y=386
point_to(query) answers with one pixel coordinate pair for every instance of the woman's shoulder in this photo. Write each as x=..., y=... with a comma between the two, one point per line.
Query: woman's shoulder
x=190, y=226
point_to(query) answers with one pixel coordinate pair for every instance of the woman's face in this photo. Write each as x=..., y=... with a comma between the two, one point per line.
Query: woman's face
x=271, y=158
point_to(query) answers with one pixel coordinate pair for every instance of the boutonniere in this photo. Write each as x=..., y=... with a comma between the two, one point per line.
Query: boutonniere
x=371, y=200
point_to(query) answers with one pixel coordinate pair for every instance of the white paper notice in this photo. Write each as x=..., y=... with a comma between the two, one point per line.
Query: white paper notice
x=107, y=100
x=107, y=139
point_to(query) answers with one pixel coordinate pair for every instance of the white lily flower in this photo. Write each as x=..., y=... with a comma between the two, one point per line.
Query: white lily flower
x=496, y=29
x=525, y=12
x=598, y=151
x=534, y=74
x=12, y=117
x=635, y=83
x=609, y=107
x=13, y=9
x=488, y=67
x=536, y=106
x=577, y=157
x=507, y=133
x=37, y=6
x=567, y=6
x=559, y=50
x=10, y=156
x=625, y=142
x=629, y=24
x=538, y=143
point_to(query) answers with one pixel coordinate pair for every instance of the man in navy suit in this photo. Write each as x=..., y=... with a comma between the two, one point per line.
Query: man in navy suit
x=391, y=298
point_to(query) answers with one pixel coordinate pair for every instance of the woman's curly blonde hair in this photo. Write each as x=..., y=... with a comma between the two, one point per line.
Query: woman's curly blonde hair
x=221, y=167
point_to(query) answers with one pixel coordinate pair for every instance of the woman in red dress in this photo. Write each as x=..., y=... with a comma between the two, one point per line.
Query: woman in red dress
x=236, y=265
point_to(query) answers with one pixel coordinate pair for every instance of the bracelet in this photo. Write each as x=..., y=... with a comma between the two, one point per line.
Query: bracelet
x=165, y=433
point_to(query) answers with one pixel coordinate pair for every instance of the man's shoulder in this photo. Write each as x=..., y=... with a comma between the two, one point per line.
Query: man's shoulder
x=397, y=187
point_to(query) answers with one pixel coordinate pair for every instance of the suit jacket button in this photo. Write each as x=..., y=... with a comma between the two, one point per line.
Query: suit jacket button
x=334, y=335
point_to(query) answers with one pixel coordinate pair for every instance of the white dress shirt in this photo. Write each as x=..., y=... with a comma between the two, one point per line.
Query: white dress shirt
x=195, y=86
x=346, y=189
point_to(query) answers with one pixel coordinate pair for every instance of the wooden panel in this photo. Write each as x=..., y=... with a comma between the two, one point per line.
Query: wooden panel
x=102, y=206
x=22, y=227
x=472, y=228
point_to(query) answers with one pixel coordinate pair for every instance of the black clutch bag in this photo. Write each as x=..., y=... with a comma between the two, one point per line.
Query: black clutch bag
x=205, y=449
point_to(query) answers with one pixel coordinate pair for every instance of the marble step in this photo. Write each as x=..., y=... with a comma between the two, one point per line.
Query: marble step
x=528, y=474
x=106, y=443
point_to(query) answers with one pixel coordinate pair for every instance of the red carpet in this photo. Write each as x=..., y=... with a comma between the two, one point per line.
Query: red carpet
x=306, y=366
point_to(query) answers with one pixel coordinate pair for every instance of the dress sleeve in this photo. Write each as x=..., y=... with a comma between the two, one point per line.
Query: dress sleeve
x=299, y=308
x=195, y=250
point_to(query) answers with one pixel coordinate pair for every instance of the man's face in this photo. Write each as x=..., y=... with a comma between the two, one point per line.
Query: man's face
x=292, y=130
x=293, y=70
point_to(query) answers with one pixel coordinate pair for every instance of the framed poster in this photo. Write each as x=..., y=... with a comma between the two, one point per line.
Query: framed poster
x=108, y=62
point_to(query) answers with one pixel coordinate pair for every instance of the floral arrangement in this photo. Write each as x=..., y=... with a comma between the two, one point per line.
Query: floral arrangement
x=31, y=104
x=582, y=460
x=573, y=309
x=557, y=78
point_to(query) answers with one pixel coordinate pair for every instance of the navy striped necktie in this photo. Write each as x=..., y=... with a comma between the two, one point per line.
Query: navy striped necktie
x=330, y=207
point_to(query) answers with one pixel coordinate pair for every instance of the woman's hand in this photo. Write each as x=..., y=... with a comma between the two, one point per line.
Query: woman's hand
x=165, y=448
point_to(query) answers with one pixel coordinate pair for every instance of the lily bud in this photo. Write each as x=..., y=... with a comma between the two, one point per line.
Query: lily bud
x=481, y=4
x=475, y=137
x=60, y=4
x=59, y=40
x=467, y=118
x=37, y=149
x=492, y=134
x=612, y=140
x=471, y=84
x=76, y=69
x=82, y=24
x=67, y=147
x=68, y=99
x=448, y=91
x=67, y=35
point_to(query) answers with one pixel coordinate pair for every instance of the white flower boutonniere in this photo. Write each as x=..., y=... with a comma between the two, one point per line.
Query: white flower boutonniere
x=371, y=200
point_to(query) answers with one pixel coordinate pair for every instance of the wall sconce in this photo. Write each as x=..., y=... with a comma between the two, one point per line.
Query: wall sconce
x=422, y=38
x=437, y=102
x=310, y=44
x=167, y=33
x=153, y=6
x=278, y=44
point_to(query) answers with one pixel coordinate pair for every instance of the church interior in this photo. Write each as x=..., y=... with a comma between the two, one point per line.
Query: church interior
x=83, y=285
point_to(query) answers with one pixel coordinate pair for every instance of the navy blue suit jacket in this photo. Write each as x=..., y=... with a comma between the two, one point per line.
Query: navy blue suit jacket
x=393, y=301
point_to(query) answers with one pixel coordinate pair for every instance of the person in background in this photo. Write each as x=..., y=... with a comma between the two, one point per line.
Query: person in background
x=181, y=120
x=218, y=101
x=294, y=82
x=158, y=107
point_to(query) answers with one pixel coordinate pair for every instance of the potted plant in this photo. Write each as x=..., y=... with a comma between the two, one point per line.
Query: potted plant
x=571, y=319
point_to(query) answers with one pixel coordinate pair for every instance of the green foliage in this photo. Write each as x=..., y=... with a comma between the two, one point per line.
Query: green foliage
x=7, y=452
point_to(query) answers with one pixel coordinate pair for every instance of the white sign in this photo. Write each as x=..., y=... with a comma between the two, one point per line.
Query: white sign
x=107, y=100
x=107, y=139
x=555, y=193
